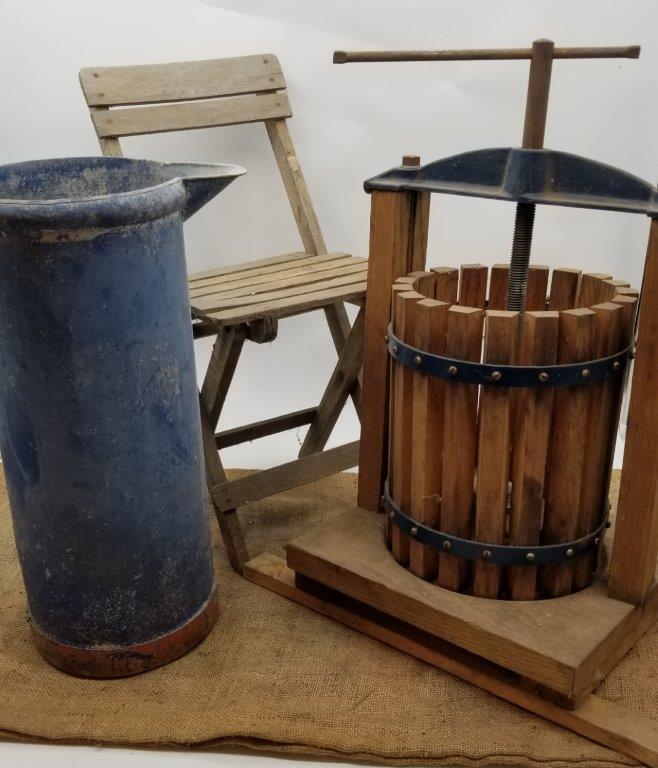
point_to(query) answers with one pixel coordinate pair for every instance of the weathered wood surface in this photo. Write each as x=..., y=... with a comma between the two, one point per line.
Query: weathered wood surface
x=593, y=289
x=185, y=116
x=601, y=432
x=181, y=81
x=460, y=443
x=341, y=383
x=633, y=561
x=404, y=319
x=531, y=446
x=565, y=284
x=566, y=457
x=392, y=239
x=447, y=284
x=267, y=482
x=499, y=277
x=427, y=432
x=290, y=302
x=263, y=428
x=597, y=719
x=537, y=289
x=254, y=280
x=348, y=553
x=487, y=54
x=473, y=285
x=295, y=185
x=493, y=452
x=217, y=381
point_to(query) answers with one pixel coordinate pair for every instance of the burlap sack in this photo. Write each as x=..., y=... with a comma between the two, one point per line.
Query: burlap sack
x=275, y=676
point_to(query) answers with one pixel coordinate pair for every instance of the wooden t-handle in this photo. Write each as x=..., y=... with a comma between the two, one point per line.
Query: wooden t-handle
x=486, y=54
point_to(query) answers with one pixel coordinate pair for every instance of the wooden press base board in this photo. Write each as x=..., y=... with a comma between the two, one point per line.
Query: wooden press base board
x=561, y=647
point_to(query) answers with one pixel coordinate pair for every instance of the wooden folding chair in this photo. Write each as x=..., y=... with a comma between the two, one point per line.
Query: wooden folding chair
x=244, y=302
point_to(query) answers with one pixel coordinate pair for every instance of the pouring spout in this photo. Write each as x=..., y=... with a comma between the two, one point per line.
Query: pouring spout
x=203, y=181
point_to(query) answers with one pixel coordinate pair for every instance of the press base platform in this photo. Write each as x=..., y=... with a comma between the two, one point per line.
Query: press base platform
x=343, y=570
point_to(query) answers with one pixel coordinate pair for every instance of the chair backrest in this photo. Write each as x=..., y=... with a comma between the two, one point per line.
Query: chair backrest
x=158, y=98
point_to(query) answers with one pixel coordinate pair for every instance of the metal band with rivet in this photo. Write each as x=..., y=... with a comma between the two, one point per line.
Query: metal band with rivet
x=496, y=554
x=469, y=372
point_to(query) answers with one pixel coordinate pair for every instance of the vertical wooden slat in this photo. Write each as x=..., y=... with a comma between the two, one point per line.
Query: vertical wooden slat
x=493, y=450
x=633, y=562
x=592, y=289
x=498, y=286
x=447, y=284
x=427, y=432
x=460, y=441
x=473, y=285
x=628, y=306
x=614, y=285
x=566, y=458
x=536, y=298
x=403, y=284
x=389, y=246
x=424, y=283
x=630, y=291
x=531, y=446
x=402, y=413
x=606, y=333
x=564, y=289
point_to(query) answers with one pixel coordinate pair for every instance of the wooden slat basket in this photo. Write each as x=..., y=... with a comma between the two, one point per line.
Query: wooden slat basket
x=493, y=464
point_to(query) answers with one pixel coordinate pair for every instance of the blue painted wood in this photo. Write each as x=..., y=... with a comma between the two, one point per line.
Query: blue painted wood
x=99, y=421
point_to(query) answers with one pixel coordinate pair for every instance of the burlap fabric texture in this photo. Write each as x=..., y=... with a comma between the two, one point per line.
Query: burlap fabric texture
x=275, y=676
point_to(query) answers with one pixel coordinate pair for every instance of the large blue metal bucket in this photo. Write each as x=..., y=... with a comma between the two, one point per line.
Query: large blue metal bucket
x=99, y=422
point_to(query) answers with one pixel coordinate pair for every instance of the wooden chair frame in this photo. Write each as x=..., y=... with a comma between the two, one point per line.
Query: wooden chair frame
x=145, y=99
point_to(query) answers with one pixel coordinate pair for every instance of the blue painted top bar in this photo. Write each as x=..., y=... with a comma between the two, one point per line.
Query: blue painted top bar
x=541, y=176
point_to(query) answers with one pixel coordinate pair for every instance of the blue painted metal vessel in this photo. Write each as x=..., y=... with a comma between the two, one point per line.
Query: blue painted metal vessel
x=99, y=422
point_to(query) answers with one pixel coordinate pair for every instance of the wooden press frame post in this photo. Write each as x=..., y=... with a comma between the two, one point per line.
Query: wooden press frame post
x=398, y=245
x=635, y=548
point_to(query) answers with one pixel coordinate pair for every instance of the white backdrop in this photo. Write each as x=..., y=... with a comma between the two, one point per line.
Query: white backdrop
x=350, y=122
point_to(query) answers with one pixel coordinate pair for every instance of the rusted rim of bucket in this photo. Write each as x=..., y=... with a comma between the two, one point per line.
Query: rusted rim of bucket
x=116, y=661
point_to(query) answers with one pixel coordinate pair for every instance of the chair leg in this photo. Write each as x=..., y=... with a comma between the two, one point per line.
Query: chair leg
x=223, y=361
x=342, y=382
x=339, y=327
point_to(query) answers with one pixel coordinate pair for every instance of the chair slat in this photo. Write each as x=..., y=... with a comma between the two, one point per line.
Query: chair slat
x=209, y=304
x=246, y=266
x=225, y=282
x=163, y=118
x=184, y=81
x=267, y=284
x=289, y=306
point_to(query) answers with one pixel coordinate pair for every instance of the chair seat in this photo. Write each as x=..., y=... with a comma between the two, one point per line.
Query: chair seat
x=281, y=286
